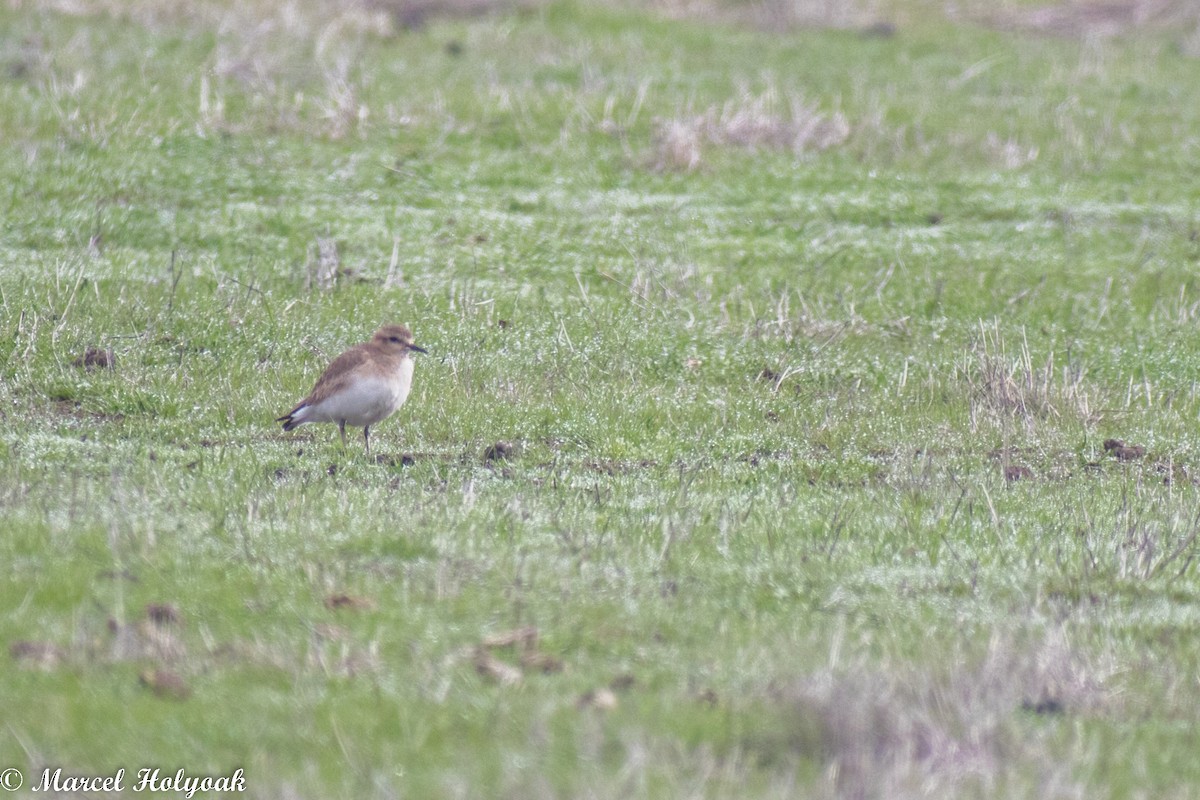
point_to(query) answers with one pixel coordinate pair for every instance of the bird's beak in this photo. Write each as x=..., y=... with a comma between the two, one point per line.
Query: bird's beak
x=418, y=349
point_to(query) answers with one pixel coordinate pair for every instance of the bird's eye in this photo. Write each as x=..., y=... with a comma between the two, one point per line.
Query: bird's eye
x=395, y=339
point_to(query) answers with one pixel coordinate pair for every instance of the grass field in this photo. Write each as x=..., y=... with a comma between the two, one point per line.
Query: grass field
x=761, y=446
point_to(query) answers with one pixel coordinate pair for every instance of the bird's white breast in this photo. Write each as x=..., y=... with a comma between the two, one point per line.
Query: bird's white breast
x=367, y=398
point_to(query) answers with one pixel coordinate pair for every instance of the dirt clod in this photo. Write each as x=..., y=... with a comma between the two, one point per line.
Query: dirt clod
x=339, y=602
x=1124, y=452
x=1129, y=452
x=165, y=683
x=1045, y=706
x=1016, y=472
x=42, y=655
x=163, y=614
x=95, y=358
x=602, y=699
x=500, y=451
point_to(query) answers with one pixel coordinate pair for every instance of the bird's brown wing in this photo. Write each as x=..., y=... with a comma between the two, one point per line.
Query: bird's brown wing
x=333, y=378
x=336, y=375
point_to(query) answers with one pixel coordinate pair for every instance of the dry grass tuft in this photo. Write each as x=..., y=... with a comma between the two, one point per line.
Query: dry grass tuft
x=323, y=270
x=46, y=656
x=1008, y=152
x=677, y=146
x=413, y=14
x=1001, y=387
x=748, y=122
x=144, y=640
x=296, y=66
x=1091, y=18
x=780, y=15
x=1148, y=544
x=906, y=731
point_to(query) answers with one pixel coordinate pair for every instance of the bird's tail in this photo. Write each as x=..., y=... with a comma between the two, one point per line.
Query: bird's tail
x=290, y=420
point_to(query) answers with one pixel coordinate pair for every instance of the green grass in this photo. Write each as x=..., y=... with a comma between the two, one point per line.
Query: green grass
x=761, y=397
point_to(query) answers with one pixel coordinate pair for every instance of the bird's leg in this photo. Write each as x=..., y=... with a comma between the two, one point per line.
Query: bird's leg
x=367, y=437
x=342, y=430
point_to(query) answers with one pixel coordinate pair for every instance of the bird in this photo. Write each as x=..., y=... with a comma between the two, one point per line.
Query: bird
x=363, y=386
